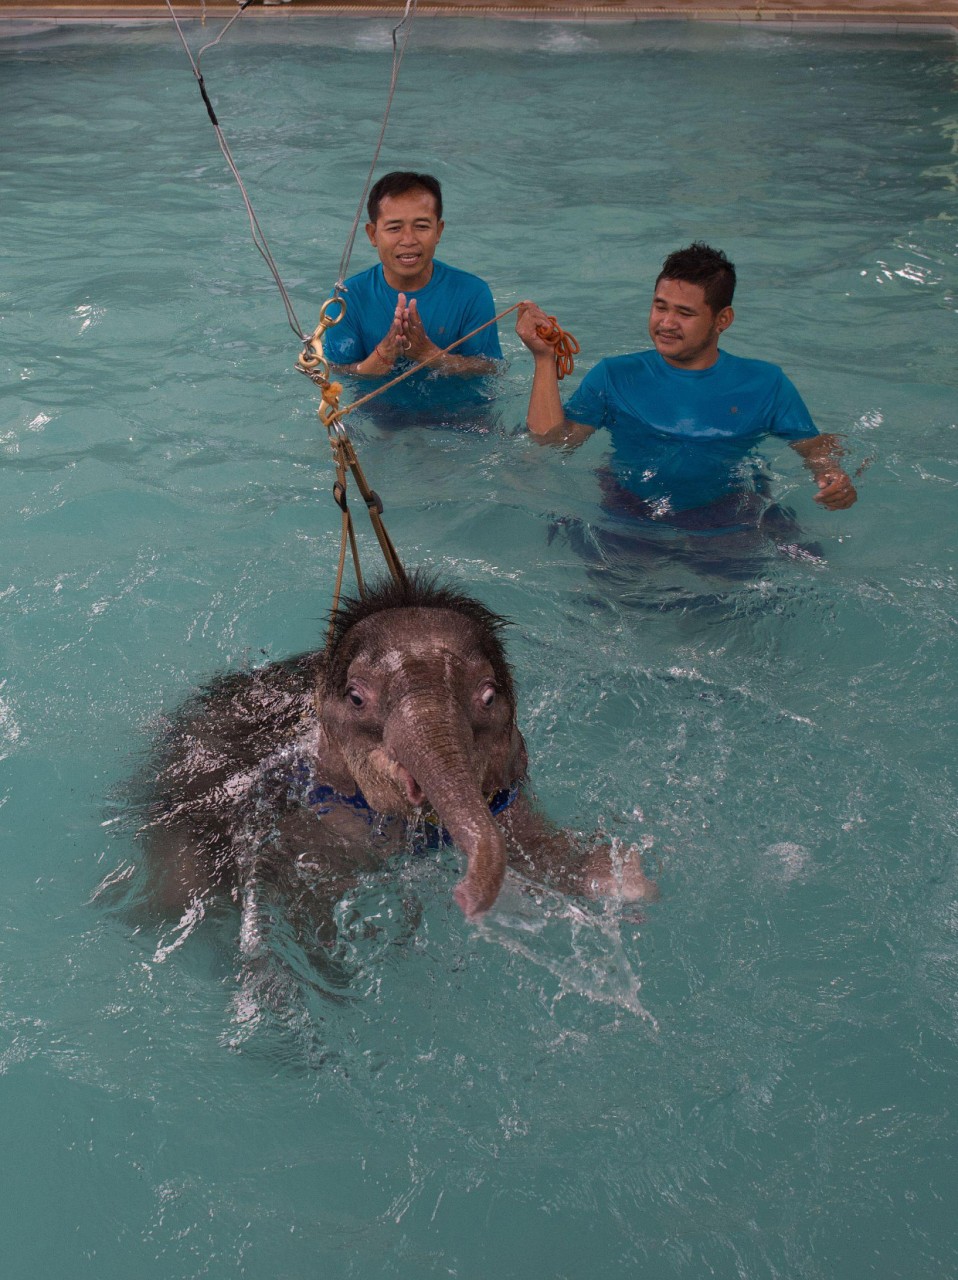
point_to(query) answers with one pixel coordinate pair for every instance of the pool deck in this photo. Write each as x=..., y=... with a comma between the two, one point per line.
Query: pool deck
x=878, y=15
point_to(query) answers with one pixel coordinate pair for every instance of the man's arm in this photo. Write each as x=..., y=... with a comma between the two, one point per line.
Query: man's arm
x=545, y=417
x=821, y=454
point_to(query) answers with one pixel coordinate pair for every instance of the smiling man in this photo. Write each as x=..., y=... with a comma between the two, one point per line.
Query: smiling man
x=685, y=416
x=410, y=305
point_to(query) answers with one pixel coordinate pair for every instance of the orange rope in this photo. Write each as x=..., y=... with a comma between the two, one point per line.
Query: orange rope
x=565, y=345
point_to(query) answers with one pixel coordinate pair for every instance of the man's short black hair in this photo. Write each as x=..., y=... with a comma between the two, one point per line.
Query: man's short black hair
x=398, y=183
x=700, y=264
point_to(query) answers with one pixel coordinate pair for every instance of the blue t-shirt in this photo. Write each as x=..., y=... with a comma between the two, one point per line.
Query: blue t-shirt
x=682, y=438
x=451, y=304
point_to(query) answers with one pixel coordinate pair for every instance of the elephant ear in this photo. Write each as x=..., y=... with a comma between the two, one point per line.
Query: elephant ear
x=230, y=727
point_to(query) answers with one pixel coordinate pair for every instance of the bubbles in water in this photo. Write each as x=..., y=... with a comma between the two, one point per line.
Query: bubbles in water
x=9, y=728
x=792, y=859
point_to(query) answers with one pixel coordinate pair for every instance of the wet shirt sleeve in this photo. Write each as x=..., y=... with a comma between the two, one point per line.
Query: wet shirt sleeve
x=790, y=417
x=486, y=342
x=589, y=404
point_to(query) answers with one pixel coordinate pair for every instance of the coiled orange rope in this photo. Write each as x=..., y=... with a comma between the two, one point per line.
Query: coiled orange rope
x=565, y=345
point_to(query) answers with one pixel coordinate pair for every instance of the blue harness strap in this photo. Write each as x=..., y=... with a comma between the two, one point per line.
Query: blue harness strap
x=322, y=798
x=499, y=801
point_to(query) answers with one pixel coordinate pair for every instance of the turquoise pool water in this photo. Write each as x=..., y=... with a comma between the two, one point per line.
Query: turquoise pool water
x=758, y=1078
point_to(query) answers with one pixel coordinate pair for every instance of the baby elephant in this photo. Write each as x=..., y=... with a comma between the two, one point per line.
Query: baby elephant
x=402, y=730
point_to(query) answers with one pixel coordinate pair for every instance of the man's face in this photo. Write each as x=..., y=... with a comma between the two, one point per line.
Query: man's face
x=683, y=327
x=405, y=236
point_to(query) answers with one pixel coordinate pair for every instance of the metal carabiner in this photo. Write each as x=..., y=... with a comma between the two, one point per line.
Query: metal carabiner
x=308, y=363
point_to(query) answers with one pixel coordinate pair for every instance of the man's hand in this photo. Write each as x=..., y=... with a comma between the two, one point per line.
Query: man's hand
x=387, y=350
x=419, y=346
x=835, y=490
x=529, y=317
x=821, y=454
x=393, y=345
x=545, y=417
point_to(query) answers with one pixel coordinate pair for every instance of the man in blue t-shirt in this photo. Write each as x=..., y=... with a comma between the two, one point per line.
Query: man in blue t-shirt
x=683, y=417
x=410, y=306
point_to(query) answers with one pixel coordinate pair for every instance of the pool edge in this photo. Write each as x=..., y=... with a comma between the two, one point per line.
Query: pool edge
x=880, y=16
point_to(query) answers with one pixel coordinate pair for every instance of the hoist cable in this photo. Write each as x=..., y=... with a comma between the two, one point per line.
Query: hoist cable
x=259, y=239
x=398, y=52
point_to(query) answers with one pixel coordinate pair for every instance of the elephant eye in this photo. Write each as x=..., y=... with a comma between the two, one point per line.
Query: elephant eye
x=488, y=695
x=355, y=697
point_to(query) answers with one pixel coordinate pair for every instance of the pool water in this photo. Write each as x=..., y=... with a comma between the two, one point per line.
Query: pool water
x=756, y=1077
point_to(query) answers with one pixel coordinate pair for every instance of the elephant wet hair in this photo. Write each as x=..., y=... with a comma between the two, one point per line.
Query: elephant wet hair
x=403, y=727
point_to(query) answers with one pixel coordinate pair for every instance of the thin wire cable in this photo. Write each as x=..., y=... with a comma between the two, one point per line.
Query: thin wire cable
x=243, y=7
x=259, y=238
x=398, y=52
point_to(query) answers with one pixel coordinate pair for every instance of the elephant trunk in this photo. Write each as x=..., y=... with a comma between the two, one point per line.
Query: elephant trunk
x=431, y=737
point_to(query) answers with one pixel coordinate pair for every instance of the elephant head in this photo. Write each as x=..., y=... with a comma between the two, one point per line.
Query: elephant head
x=416, y=707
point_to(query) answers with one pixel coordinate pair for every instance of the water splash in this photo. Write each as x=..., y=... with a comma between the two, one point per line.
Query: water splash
x=586, y=950
x=185, y=927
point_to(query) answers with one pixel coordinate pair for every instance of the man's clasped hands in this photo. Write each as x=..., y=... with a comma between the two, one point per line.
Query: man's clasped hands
x=406, y=336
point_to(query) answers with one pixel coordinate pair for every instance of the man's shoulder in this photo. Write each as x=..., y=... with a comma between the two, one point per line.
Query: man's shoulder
x=632, y=359
x=729, y=368
x=614, y=380
x=765, y=384
x=363, y=281
x=632, y=364
x=455, y=278
x=742, y=367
